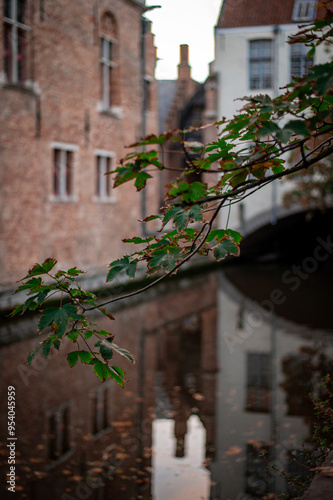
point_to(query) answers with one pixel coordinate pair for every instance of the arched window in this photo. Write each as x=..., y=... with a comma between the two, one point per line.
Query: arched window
x=109, y=61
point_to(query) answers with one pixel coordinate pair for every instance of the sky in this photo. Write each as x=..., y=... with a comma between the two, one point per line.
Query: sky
x=188, y=22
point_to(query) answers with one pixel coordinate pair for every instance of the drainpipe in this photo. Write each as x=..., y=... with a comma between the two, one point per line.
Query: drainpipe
x=144, y=29
x=276, y=32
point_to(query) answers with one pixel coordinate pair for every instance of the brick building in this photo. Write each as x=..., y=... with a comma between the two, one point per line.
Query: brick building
x=184, y=103
x=76, y=86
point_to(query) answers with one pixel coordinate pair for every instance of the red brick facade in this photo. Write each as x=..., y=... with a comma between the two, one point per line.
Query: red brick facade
x=71, y=98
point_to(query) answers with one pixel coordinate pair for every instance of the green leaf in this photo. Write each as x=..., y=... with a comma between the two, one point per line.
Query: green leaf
x=117, y=374
x=298, y=127
x=73, y=335
x=105, y=348
x=141, y=180
x=137, y=240
x=196, y=191
x=38, y=269
x=102, y=370
x=163, y=259
x=59, y=317
x=218, y=234
x=46, y=346
x=34, y=285
x=226, y=247
x=122, y=265
x=72, y=358
x=33, y=354
x=85, y=356
x=122, y=352
x=278, y=169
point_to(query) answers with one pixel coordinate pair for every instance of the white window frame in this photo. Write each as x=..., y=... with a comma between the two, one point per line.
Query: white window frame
x=103, y=161
x=64, y=149
x=260, y=60
x=15, y=25
x=298, y=53
x=108, y=65
x=304, y=10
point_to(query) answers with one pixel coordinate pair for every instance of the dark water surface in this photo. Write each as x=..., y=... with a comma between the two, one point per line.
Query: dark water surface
x=225, y=361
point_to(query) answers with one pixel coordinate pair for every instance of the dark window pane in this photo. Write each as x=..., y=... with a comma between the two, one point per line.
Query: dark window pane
x=20, y=10
x=69, y=173
x=56, y=172
x=6, y=8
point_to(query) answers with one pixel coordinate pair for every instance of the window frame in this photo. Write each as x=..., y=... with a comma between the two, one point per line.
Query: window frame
x=304, y=10
x=260, y=60
x=108, y=66
x=15, y=44
x=64, y=188
x=304, y=63
x=103, y=189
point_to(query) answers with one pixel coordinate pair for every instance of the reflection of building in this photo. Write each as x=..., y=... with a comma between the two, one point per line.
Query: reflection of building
x=72, y=88
x=259, y=353
x=77, y=436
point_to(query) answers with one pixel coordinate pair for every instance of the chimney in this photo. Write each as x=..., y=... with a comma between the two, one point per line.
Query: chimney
x=184, y=69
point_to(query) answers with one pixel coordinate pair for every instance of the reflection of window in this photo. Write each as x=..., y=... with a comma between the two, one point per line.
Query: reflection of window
x=100, y=418
x=304, y=10
x=63, y=160
x=261, y=64
x=299, y=61
x=15, y=32
x=59, y=440
x=258, y=382
x=256, y=470
x=103, y=181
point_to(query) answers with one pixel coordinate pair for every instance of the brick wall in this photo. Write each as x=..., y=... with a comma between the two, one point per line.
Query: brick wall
x=59, y=101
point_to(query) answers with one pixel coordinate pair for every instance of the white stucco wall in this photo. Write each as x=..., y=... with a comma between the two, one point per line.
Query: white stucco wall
x=231, y=65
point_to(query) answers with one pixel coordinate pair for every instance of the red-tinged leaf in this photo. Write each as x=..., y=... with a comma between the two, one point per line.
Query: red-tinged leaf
x=224, y=248
x=141, y=180
x=43, y=268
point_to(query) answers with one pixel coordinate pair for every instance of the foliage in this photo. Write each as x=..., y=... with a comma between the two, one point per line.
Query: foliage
x=69, y=321
x=248, y=154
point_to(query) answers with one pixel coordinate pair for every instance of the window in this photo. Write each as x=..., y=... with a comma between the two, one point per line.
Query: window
x=63, y=172
x=15, y=33
x=108, y=61
x=258, y=382
x=303, y=11
x=299, y=61
x=100, y=421
x=108, y=68
x=59, y=440
x=261, y=64
x=103, y=181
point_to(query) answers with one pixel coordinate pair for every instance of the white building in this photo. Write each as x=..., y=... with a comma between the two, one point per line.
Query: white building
x=252, y=56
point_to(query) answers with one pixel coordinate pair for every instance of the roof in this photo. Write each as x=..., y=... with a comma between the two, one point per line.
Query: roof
x=241, y=13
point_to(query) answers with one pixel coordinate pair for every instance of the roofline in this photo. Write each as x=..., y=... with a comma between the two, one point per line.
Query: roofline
x=245, y=29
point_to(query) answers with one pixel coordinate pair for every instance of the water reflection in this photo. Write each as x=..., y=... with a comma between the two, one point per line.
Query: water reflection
x=220, y=376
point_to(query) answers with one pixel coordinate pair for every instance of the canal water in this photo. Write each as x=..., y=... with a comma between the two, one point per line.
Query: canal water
x=225, y=361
